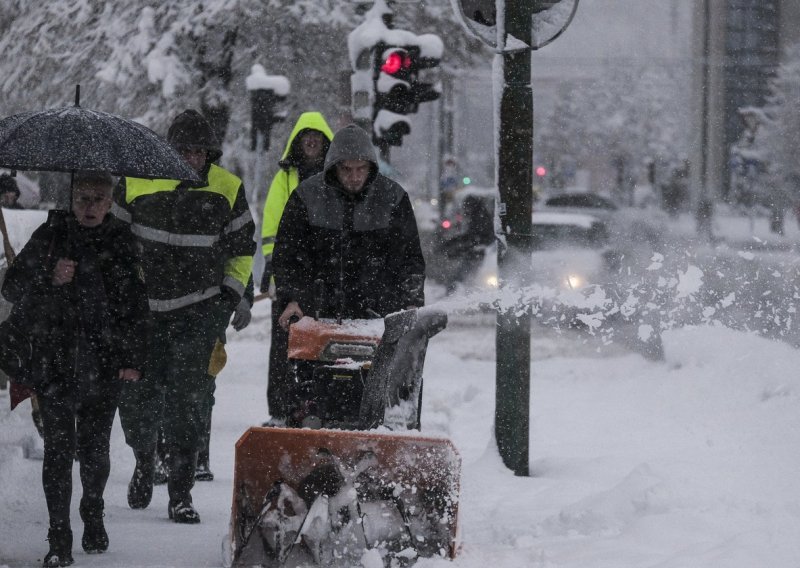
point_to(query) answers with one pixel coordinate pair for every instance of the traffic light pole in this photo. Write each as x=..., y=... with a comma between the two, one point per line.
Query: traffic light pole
x=515, y=183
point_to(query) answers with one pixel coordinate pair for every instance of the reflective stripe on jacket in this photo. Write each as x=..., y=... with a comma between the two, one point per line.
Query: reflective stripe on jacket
x=195, y=240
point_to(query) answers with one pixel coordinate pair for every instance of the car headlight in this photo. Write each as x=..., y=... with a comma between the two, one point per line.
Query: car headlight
x=493, y=281
x=575, y=282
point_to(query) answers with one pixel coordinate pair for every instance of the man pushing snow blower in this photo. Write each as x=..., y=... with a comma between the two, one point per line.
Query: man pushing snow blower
x=353, y=229
x=348, y=253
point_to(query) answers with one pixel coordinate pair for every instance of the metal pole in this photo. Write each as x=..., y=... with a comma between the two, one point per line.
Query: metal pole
x=446, y=136
x=515, y=184
x=702, y=204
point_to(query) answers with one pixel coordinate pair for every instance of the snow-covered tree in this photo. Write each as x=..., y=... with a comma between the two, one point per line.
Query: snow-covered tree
x=560, y=135
x=778, y=137
x=153, y=58
x=629, y=113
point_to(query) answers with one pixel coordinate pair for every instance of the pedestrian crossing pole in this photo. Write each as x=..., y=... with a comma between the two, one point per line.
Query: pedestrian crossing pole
x=515, y=183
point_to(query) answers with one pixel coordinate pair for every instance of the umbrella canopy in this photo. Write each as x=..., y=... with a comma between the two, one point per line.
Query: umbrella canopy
x=74, y=138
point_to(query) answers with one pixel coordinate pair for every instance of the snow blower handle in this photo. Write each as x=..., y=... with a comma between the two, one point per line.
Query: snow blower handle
x=319, y=296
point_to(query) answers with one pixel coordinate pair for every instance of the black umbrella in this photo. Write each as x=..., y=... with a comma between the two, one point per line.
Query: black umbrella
x=73, y=139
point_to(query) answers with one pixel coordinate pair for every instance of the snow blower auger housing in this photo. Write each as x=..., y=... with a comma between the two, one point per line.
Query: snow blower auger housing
x=307, y=497
x=352, y=496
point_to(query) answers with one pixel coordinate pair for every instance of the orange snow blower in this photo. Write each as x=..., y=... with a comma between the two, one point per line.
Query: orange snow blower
x=333, y=490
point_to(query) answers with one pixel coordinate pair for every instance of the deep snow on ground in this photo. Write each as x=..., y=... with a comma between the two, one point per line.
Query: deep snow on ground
x=688, y=462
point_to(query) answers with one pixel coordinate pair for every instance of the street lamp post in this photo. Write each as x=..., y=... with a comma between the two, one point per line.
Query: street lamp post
x=515, y=183
x=513, y=28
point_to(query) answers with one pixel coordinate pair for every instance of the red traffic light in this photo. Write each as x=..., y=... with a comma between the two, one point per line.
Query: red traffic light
x=396, y=62
x=541, y=171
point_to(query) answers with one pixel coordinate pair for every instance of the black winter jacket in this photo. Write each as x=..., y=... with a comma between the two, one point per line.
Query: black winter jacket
x=197, y=239
x=105, y=304
x=365, y=247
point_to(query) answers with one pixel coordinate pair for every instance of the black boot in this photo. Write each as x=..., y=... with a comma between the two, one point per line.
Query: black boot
x=60, y=553
x=181, y=467
x=140, y=488
x=203, y=471
x=162, y=460
x=183, y=512
x=95, y=537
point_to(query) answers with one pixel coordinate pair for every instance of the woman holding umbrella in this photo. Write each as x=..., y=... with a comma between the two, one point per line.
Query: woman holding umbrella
x=78, y=293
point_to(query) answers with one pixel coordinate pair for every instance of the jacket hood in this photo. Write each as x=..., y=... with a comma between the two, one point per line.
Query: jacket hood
x=306, y=121
x=350, y=143
x=190, y=129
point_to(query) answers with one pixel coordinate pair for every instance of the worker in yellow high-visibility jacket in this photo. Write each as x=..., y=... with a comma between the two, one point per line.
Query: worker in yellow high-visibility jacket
x=197, y=245
x=303, y=158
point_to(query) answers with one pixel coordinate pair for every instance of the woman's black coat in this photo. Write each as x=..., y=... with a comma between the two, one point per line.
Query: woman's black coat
x=103, y=310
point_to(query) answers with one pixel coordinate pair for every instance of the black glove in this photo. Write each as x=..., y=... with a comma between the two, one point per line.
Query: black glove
x=230, y=299
x=241, y=315
x=267, y=275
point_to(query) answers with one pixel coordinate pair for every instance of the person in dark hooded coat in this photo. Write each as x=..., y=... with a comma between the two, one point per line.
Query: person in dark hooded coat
x=354, y=229
x=79, y=294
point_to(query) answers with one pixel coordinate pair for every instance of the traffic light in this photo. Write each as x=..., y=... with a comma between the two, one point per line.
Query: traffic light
x=266, y=92
x=385, y=83
x=397, y=88
x=393, y=80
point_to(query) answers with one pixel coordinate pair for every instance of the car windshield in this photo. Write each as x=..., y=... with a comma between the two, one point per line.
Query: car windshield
x=587, y=200
x=556, y=230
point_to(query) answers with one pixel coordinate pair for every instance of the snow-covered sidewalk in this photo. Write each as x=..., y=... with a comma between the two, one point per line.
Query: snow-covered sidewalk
x=689, y=462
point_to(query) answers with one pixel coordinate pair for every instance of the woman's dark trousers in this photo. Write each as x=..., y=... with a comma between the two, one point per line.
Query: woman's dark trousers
x=76, y=427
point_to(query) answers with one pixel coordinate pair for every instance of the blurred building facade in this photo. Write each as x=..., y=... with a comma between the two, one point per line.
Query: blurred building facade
x=604, y=34
x=737, y=46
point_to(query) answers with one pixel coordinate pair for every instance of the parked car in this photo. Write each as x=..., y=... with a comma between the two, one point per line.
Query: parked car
x=581, y=200
x=625, y=226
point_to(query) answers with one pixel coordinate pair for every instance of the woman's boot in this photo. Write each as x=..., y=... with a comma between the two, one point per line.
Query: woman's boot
x=60, y=554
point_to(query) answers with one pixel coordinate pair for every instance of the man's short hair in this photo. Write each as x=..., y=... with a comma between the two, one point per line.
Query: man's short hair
x=93, y=178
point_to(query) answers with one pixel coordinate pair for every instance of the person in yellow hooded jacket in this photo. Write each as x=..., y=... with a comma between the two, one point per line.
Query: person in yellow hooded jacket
x=303, y=157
